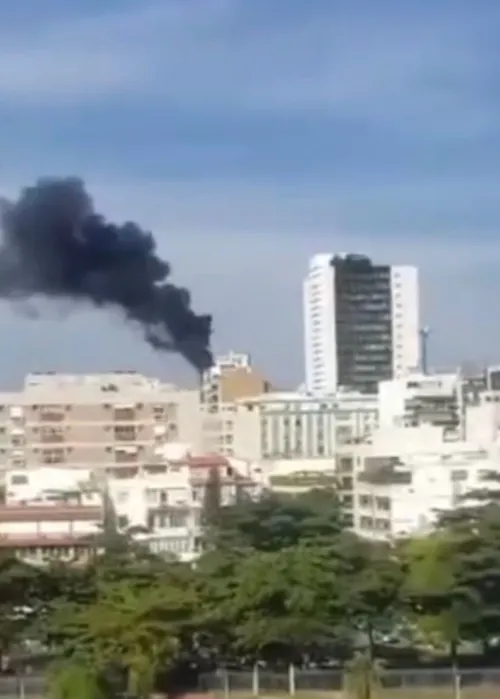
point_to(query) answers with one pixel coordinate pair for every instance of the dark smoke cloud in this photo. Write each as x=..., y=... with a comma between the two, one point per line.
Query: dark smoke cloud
x=54, y=244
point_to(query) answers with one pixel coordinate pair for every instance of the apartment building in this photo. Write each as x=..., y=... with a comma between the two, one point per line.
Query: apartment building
x=420, y=399
x=465, y=405
x=288, y=426
x=109, y=421
x=230, y=379
x=407, y=476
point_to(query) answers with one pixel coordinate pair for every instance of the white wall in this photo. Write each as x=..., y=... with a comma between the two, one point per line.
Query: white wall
x=482, y=422
x=28, y=484
x=319, y=326
x=394, y=393
x=405, y=320
x=132, y=497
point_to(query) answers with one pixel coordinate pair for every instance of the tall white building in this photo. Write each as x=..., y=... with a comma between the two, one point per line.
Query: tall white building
x=361, y=323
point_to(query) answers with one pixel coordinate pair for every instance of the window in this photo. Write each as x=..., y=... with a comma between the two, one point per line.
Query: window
x=383, y=503
x=125, y=433
x=124, y=414
x=53, y=456
x=346, y=464
x=365, y=500
x=123, y=457
x=177, y=519
x=51, y=435
x=19, y=479
x=49, y=414
x=197, y=494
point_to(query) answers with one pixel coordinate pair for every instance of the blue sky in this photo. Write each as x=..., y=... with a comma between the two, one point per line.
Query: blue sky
x=250, y=134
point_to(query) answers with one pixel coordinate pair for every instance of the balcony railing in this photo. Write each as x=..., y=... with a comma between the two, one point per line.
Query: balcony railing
x=309, y=480
x=386, y=475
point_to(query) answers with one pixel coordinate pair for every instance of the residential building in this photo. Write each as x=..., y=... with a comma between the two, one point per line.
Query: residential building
x=109, y=421
x=407, y=476
x=464, y=405
x=160, y=503
x=420, y=399
x=231, y=378
x=361, y=323
x=41, y=532
x=301, y=426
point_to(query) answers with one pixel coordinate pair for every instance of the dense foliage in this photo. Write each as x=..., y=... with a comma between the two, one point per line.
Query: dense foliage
x=280, y=580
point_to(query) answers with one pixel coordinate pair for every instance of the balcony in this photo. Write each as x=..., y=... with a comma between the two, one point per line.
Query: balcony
x=51, y=437
x=386, y=474
x=305, y=479
x=124, y=414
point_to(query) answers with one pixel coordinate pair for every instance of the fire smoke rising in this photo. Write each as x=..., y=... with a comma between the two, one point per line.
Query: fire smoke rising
x=55, y=245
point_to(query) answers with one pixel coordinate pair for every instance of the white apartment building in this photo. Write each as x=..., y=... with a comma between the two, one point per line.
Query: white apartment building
x=420, y=399
x=361, y=323
x=465, y=407
x=285, y=426
x=110, y=421
x=407, y=476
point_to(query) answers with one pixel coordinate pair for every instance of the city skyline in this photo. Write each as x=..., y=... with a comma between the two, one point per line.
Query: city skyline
x=254, y=138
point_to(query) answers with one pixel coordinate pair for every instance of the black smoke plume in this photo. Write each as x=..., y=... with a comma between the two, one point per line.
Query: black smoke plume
x=54, y=244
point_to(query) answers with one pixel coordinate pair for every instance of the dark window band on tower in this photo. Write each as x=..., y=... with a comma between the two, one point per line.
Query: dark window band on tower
x=363, y=320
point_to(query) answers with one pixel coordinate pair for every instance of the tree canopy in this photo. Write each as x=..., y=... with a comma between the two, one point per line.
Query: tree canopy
x=282, y=580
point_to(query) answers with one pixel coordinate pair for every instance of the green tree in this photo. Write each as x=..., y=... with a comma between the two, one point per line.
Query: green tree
x=284, y=602
x=473, y=533
x=139, y=628
x=443, y=605
x=373, y=583
x=76, y=680
x=212, y=501
x=19, y=591
x=279, y=521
